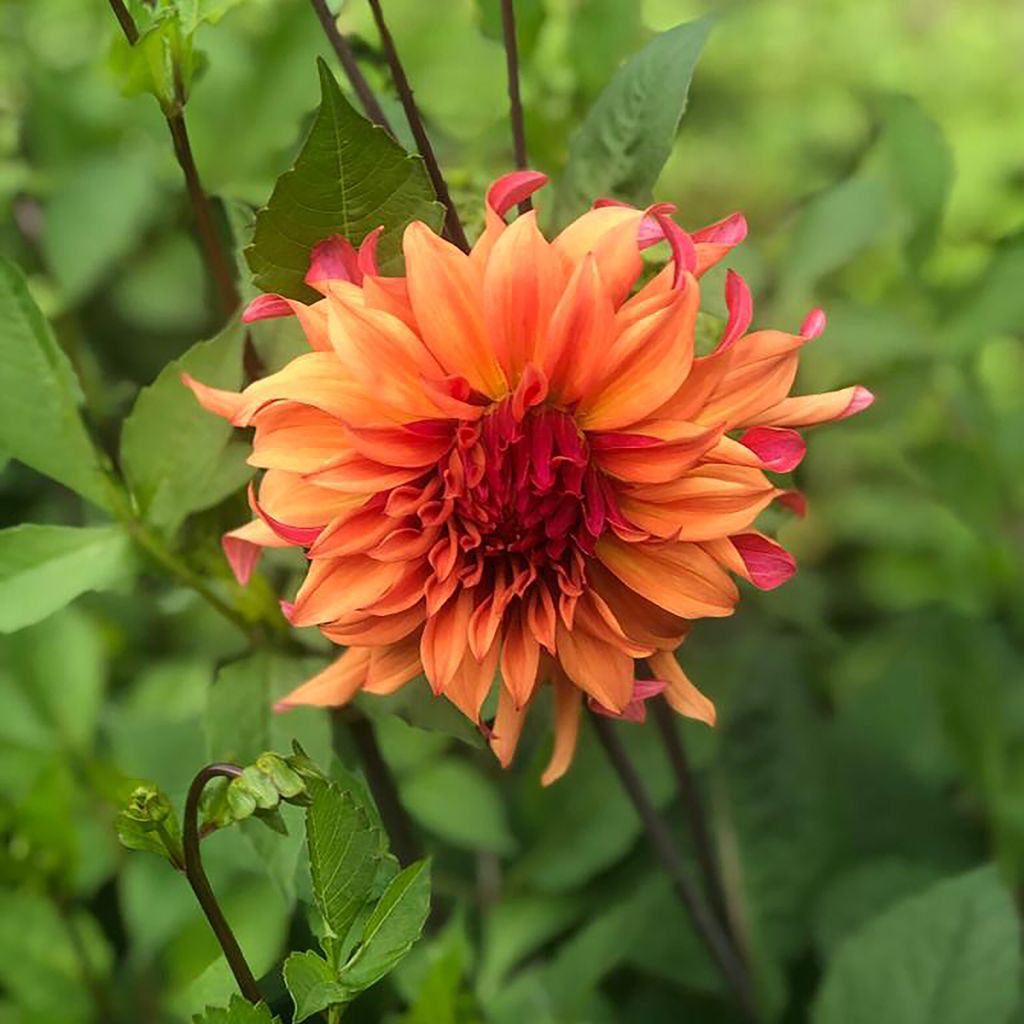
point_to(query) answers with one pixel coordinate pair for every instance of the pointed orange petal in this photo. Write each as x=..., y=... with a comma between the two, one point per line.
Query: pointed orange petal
x=472, y=682
x=681, y=694
x=336, y=685
x=680, y=577
x=393, y=666
x=809, y=410
x=445, y=639
x=336, y=587
x=610, y=233
x=446, y=291
x=522, y=284
x=520, y=659
x=648, y=362
x=376, y=630
x=507, y=727
x=597, y=667
x=568, y=702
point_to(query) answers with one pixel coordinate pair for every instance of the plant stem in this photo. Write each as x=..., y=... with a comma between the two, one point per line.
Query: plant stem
x=127, y=22
x=515, y=103
x=347, y=59
x=216, y=258
x=382, y=784
x=686, y=784
x=201, y=884
x=660, y=838
x=453, y=226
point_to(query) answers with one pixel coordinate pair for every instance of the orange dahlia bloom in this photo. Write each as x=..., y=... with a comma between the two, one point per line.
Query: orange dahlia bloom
x=509, y=467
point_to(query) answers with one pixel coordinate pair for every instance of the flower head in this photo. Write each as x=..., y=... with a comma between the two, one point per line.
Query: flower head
x=509, y=468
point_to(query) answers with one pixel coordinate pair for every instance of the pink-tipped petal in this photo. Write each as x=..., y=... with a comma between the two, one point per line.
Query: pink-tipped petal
x=651, y=231
x=861, y=399
x=242, y=555
x=287, y=608
x=367, y=261
x=636, y=709
x=780, y=449
x=684, y=255
x=730, y=231
x=304, y=536
x=266, y=307
x=513, y=188
x=333, y=259
x=741, y=310
x=768, y=564
x=795, y=501
x=814, y=324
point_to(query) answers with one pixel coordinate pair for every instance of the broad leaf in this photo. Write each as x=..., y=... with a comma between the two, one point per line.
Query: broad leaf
x=42, y=568
x=238, y=1011
x=458, y=803
x=345, y=852
x=39, y=420
x=626, y=137
x=349, y=178
x=392, y=928
x=172, y=451
x=313, y=984
x=946, y=956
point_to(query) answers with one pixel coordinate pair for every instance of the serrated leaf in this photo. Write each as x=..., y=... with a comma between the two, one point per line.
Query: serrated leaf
x=345, y=851
x=312, y=984
x=39, y=421
x=349, y=178
x=43, y=568
x=946, y=956
x=392, y=928
x=171, y=449
x=238, y=1011
x=625, y=139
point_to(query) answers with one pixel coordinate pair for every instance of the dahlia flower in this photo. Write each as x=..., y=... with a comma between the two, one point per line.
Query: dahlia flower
x=509, y=468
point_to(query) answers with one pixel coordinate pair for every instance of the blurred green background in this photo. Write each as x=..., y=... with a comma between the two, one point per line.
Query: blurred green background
x=871, y=737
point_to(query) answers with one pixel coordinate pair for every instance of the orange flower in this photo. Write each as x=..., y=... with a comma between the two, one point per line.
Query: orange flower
x=510, y=465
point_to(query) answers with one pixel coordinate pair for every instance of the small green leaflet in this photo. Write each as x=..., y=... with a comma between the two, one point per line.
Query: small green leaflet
x=627, y=136
x=349, y=178
x=392, y=928
x=238, y=1011
x=43, y=568
x=39, y=421
x=172, y=451
x=313, y=985
x=947, y=956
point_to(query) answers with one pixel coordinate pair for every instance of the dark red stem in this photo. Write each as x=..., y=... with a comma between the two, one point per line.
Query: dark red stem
x=515, y=102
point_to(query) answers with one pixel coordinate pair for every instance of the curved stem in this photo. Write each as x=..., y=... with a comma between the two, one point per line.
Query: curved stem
x=201, y=884
x=515, y=103
x=708, y=927
x=686, y=785
x=453, y=226
x=347, y=59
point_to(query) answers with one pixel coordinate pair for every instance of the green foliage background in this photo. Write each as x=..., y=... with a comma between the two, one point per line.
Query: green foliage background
x=866, y=781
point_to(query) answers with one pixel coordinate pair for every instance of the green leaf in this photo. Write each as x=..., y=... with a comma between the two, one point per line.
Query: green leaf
x=92, y=221
x=919, y=162
x=161, y=62
x=43, y=568
x=148, y=822
x=313, y=985
x=39, y=421
x=238, y=1011
x=946, y=956
x=345, y=851
x=349, y=178
x=457, y=803
x=627, y=136
x=171, y=448
x=392, y=928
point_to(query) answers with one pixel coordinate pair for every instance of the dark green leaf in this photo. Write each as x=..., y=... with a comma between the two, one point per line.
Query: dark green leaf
x=39, y=420
x=626, y=137
x=42, y=568
x=946, y=956
x=171, y=448
x=392, y=928
x=345, y=851
x=349, y=178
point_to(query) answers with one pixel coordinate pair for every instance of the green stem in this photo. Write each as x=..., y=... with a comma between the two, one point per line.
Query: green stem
x=201, y=884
